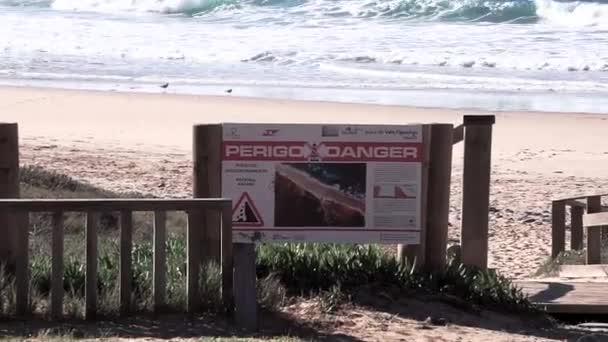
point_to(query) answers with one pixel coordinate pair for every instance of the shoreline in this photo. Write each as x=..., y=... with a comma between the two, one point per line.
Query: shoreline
x=143, y=142
x=256, y=93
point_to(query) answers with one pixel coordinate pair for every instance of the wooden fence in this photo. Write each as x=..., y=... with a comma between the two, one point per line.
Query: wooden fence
x=592, y=204
x=21, y=208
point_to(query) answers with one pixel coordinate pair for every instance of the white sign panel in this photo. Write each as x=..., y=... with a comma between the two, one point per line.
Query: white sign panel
x=323, y=183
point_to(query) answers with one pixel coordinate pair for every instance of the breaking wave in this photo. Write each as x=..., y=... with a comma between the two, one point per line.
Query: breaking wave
x=586, y=12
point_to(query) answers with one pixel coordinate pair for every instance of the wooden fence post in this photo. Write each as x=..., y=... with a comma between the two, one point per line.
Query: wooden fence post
x=438, y=196
x=22, y=264
x=245, y=295
x=159, y=271
x=576, y=227
x=90, y=293
x=476, y=189
x=207, y=144
x=558, y=228
x=57, y=269
x=227, y=259
x=415, y=254
x=193, y=264
x=594, y=235
x=9, y=188
x=126, y=270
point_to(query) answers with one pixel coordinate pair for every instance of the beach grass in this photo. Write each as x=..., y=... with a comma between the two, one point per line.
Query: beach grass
x=332, y=272
x=551, y=266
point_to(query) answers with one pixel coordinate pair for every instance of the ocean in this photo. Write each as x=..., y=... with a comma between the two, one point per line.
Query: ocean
x=529, y=55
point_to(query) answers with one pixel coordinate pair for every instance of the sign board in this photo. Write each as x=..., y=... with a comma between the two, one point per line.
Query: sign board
x=323, y=183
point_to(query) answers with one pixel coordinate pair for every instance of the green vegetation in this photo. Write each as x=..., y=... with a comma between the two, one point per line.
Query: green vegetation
x=333, y=272
x=551, y=267
x=328, y=268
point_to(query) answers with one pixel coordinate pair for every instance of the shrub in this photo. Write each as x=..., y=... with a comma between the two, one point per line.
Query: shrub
x=327, y=268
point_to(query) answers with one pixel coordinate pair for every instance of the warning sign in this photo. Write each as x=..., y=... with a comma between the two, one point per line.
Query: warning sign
x=245, y=213
x=323, y=183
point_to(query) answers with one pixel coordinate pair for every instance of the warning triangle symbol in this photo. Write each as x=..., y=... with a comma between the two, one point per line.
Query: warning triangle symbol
x=245, y=213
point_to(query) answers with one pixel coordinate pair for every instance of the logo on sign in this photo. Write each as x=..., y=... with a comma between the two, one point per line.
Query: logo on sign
x=348, y=130
x=270, y=132
x=233, y=133
x=245, y=213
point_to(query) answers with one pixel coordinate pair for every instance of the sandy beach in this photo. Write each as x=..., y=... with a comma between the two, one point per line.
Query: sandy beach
x=142, y=142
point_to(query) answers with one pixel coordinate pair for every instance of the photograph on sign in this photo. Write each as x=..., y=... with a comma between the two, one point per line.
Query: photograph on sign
x=323, y=183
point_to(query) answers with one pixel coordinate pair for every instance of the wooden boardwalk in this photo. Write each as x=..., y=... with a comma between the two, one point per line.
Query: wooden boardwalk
x=581, y=289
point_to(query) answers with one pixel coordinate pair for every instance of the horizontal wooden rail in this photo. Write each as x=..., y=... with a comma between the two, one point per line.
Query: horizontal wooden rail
x=23, y=207
x=575, y=203
x=595, y=220
x=101, y=205
x=579, y=197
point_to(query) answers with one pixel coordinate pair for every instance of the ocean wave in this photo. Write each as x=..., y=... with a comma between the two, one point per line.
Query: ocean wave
x=587, y=12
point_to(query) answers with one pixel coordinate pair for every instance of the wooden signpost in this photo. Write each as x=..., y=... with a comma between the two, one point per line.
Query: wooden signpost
x=372, y=183
x=476, y=189
x=431, y=187
x=9, y=188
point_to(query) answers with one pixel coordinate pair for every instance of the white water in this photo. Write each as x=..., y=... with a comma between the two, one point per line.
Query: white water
x=538, y=51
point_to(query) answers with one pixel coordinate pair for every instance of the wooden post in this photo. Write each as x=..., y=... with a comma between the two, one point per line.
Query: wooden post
x=415, y=254
x=193, y=263
x=22, y=264
x=227, y=257
x=594, y=235
x=160, y=261
x=207, y=183
x=476, y=189
x=126, y=249
x=576, y=228
x=57, y=267
x=91, y=267
x=438, y=196
x=558, y=228
x=9, y=188
x=245, y=293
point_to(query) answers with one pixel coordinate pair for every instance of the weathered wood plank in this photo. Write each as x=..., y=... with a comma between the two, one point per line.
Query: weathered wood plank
x=9, y=188
x=594, y=236
x=438, y=198
x=57, y=267
x=160, y=261
x=476, y=189
x=576, y=228
x=227, y=260
x=558, y=228
x=126, y=249
x=595, y=220
x=101, y=205
x=245, y=299
x=22, y=274
x=583, y=271
x=91, y=267
x=566, y=296
x=580, y=197
x=207, y=145
x=193, y=262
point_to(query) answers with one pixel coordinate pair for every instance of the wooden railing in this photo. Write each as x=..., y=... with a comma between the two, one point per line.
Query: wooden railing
x=578, y=204
x=23, y=207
